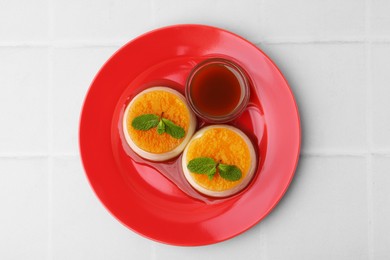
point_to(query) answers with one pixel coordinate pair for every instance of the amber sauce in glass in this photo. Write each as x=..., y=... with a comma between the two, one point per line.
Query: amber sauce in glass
x=215, y=90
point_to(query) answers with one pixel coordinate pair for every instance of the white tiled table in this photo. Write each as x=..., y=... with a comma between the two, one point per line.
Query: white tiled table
x=336, y=57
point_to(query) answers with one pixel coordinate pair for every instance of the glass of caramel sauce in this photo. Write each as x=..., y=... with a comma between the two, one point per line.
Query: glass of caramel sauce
x=217, y=90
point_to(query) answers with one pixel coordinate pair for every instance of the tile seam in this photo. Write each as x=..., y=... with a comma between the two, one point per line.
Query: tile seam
x=119, y=43
x=370, y=213
x=50, y=130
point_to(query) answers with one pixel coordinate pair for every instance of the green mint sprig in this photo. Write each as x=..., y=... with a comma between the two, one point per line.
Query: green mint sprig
x=206, y=165
x=148, y=121
x=145, y=122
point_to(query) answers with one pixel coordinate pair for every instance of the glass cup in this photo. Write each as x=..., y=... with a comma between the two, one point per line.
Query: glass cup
x=226, y=81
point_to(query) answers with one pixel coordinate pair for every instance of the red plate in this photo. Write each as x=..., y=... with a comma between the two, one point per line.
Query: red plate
x=137, y=194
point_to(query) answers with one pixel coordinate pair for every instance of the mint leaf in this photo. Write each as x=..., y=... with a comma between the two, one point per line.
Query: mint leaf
x=173, y=130
x=148, y=121
x=211, y=173
x=207, y=165
x=202, y=165
x=145, y=122
x=161, y=127
x=229, y=172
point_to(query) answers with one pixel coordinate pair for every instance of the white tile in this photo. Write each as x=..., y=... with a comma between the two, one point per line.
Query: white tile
x=239, y=16
x=314, y=19
x=73, y=72
x=323, y=214
x=244, y=246
x=24, y=20
x=381, y=206
x=82, y=228
x=380, y=96
x=329, y=83
x=24, y=208
x=23, y=100
x=100, y=20
x=380, y=18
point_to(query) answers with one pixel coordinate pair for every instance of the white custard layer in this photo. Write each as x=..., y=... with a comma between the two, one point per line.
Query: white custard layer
x=160, y=156
x=248, y=177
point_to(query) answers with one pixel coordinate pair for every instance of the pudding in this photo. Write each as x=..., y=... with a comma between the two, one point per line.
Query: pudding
x=158, y=123
x=219, y=161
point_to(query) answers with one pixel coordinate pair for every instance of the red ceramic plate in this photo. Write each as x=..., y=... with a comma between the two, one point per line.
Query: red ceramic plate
x=137, y=194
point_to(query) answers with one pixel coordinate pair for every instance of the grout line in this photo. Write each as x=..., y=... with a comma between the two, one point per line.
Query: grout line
x=50, y=132
x=262, y=15
x=50, y=158
x=320, y=155
x=385, y=39
x=153, y=251
x=37, y=156
x=303, y=153
x=263, y=245
x=333, y=153
x=120, y=42
x=64, y=44
x=311, y=41
x=342, y=153
x=153, y=12
x=376, y=154
x=66, y=155
x=23, y=156
x=21, y=44
x=370, y=209
x=262, y=236
x=87, y=44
